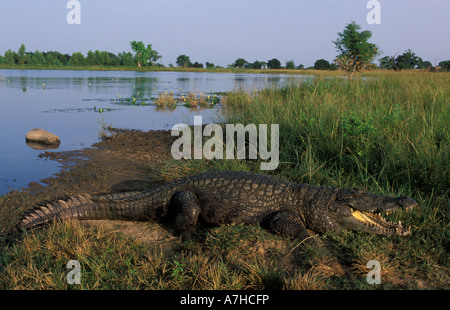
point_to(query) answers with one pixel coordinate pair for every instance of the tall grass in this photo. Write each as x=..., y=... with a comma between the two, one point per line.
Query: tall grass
x=387, y=133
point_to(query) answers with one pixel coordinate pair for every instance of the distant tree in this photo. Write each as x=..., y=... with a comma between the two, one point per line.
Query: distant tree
x=38, y=58
x=290, y=64
x=445, y=64
x=90, y=58
x=197, y=65
x=56, y=58
x=52, y=59
x=274, y=64
x=301, y=67
x=355, y=52
x=21, y=55
x=77, y=59
x=427, y=64
x=256, y=65
x=10, y=57
x=151, y=55
x=209, y=65
x=114, y=60
x=126, y=59
x=387, y=62
x=408, y=60
x=240, y=63
x=102, y=58
x=139, y=50
x=183, y=61
x=2, y=59
x=144, y=55
x=322, y=64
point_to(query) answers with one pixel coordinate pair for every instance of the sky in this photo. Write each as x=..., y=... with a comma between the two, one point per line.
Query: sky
x=222, y=31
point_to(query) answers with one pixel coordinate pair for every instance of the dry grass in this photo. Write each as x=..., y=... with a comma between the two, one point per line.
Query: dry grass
x=166, y=101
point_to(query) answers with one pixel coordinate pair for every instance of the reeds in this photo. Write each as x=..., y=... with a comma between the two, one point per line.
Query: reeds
x=385, y=132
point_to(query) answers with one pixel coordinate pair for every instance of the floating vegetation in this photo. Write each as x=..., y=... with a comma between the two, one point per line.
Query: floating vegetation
x=80, y=110
x=166, y=101
x=194, y=100
x=101, y=110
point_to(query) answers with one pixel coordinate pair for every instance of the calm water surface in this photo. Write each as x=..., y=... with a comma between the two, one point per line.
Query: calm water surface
x=68, y=104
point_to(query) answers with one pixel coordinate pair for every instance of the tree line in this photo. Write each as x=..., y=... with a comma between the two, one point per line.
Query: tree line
x=54, y=58
x=356, y=54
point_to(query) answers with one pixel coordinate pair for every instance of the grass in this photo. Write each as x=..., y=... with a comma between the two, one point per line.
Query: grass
x=388, y=134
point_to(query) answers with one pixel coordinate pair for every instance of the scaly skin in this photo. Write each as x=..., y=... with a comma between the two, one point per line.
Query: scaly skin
x=223, y=197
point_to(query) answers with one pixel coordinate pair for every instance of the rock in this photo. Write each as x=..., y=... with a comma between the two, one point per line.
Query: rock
x=42, y=136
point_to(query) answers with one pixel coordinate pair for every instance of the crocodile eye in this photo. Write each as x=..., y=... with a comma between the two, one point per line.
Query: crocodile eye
x=349, y=193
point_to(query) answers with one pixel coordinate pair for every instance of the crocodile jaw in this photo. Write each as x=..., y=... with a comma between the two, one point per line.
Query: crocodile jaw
x=375, y=223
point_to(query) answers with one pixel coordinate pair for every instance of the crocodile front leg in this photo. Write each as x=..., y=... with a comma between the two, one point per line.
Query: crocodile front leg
x=188, y=206
x=287, y=224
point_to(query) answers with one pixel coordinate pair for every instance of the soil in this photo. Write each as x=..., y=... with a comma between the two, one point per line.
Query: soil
x=127, y=160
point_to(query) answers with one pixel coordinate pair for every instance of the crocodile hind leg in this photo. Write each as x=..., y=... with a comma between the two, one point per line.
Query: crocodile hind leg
x=287, y=224
x=188, y=206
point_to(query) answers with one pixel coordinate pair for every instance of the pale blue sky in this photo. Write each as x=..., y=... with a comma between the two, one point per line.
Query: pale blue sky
x=222, y=31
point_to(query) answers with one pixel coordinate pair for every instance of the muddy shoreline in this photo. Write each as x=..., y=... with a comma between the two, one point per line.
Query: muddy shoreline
x=126, y=160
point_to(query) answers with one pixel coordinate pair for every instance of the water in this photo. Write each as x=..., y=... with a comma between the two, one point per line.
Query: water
x=68, y=104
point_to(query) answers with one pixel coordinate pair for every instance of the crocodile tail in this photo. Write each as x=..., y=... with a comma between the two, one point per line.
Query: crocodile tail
x=120, y=206
x=80, y=206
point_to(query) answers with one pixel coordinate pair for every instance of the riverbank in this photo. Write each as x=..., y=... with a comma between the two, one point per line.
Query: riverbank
x=177, y=69
x=387, y=135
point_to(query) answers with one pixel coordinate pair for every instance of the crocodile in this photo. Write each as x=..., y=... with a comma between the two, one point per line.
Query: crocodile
x=225, y=197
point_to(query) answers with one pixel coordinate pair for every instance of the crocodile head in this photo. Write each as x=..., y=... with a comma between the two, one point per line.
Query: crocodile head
x=356, y=209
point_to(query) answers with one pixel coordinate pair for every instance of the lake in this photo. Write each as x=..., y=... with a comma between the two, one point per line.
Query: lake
x=75, y=105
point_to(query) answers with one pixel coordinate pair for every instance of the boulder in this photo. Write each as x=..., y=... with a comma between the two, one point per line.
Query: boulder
x=42, y=136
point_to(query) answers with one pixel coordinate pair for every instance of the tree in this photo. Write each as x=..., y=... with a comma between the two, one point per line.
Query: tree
x=90, y=58
x=126, y=59
x=240, y=63
x=10, y=57
x=274, y=64
x=145, y=55
x=387, y=62
x=183, y=61
x=445, y=64
x=138, y=48
x=427, y=64
x=77, y=59
x=290, y=64
x=56, y=58
x=209, y=65
x=256, y=65
x=52, y=59
x=38, y=58
x=408, y=60
x=197, y=65
x=114, y=60
x=21, y=53
x=322, y=64
x=356, y=53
